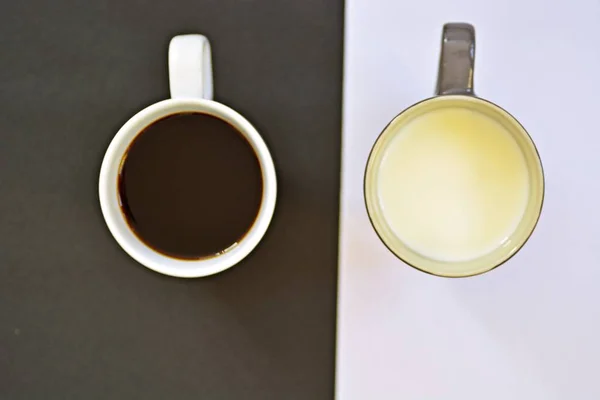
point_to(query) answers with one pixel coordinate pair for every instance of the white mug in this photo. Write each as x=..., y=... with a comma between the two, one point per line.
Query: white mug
x=190, y=78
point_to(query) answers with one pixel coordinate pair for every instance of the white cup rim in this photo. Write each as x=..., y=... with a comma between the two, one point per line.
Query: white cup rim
x=120, y=229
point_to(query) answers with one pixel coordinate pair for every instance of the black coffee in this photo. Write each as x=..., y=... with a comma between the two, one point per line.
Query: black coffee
x=190, y=186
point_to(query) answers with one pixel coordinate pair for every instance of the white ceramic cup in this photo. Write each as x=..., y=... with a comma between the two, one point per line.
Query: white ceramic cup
x=190, y=78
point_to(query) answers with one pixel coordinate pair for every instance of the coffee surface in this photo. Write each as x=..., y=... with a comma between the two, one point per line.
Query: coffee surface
x=190, y=186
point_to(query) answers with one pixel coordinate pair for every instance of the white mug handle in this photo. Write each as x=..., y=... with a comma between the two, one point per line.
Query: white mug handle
x=190, y=67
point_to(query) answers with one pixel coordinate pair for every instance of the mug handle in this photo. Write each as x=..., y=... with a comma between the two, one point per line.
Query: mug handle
x=457, y=60
x=190, y=67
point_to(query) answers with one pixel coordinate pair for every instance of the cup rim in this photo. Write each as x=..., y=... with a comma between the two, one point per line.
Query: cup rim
x=515, y=249
x=127, y=238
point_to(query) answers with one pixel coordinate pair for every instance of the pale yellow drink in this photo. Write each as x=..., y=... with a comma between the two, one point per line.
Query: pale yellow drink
x=452, y=184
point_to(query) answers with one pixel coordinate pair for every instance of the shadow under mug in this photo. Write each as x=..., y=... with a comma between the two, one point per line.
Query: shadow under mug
x=455, y=90
x=191, y=84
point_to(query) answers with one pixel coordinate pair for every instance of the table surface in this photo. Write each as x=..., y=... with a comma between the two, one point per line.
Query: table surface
x=529, y=329
x=79, y=319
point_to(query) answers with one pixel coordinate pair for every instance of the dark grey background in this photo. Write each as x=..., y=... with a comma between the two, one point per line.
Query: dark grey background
x=79, y=319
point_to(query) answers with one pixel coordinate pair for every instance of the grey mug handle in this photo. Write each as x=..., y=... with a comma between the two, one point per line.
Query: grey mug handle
x=457, y=60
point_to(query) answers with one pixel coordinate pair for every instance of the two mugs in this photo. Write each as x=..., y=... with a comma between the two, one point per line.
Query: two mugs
x=453, y=185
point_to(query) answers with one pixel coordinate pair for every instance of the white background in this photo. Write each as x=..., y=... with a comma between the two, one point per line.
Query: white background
x=531, y=328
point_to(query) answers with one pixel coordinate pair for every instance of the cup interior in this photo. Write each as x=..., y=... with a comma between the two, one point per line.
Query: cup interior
x=117, y=222
x=504, y=251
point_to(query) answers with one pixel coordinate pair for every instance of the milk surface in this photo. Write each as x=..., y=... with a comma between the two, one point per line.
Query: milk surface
x=453, y=184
